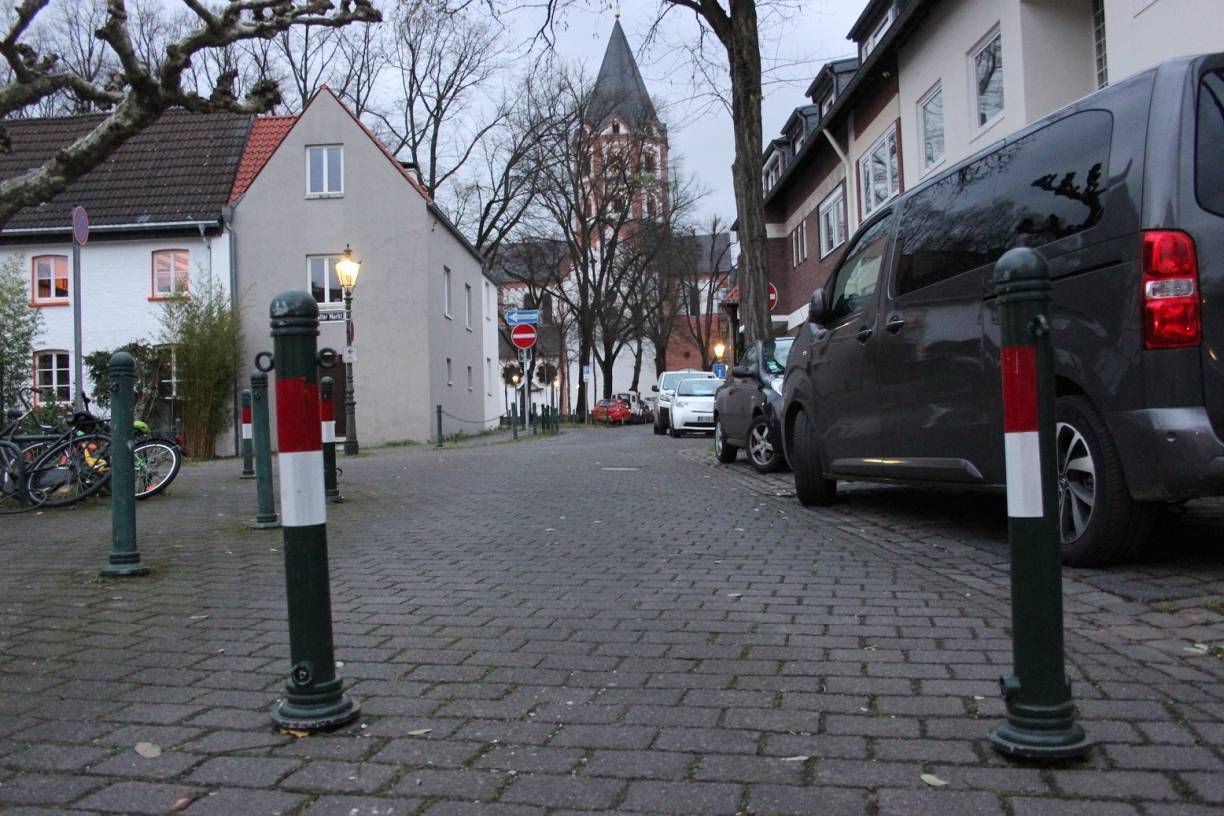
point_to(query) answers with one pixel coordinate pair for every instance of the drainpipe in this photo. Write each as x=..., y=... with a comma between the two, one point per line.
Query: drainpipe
x=851, y=185
x=227, y=219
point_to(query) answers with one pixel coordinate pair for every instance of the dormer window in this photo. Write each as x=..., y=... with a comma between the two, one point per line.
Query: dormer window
x=826, y=104
x=873, y=39
x=772, y=172
x=616, y=128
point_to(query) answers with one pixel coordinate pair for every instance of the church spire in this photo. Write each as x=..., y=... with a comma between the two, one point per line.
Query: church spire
x=619, y=89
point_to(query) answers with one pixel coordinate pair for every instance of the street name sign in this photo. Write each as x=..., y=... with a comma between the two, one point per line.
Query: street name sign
x=523, y=335
x=521, y=317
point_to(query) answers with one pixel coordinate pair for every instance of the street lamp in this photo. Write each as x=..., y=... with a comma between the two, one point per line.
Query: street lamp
x=719, y=349
x=347, y=270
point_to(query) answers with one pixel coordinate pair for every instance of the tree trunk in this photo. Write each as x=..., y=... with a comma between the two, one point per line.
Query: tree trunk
x=744, y=56
x=605, y=368
x=637, y=365
x=584, y=359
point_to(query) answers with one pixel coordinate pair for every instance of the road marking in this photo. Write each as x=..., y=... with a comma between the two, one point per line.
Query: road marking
x=620, y=469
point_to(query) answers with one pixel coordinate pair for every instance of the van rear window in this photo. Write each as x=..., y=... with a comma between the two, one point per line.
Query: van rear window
x=1209, y=144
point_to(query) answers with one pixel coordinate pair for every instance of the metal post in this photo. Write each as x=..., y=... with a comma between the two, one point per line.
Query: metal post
x=1040, y=714
x=315, y=699
x=327, y=412
x=514, y=420
x=248, y=447
x=439, y=425
x=124, y=557
x=265, y=513
x=78, y=400
x=351, y=447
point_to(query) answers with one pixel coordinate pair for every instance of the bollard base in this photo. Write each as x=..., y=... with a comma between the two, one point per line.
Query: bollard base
x=312, y=718
x=1049, y=745
x=266, y=524
x=129, y=570
x=246, y=476
x=336, y=499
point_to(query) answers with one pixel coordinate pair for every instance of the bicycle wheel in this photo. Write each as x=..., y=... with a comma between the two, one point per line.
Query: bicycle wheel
x=14, y=498
x=70, y=471
x=157, y=462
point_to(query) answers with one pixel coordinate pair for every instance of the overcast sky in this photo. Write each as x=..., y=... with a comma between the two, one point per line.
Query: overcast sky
x=800, y=38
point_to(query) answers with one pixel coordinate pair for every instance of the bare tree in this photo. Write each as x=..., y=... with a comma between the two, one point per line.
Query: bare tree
x=136, y=93
x=702, y=264
x=363, y=56
x=310, y=58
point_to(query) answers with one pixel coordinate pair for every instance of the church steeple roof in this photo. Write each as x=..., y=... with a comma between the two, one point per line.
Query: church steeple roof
x=619, y=89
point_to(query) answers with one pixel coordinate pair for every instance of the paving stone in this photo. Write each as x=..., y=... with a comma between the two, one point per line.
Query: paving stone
x=31, y=788
x=779, y=800
x=563, y=792
x=139, y=797
x=324, y=775
x=244, y=802
x=243, y=771
x=945, y=803
x=54, y=757
x=330, y=805
x=1025, y=806
x=689, y=797
x=168, y=765
x=471, y=785
x=639, y=764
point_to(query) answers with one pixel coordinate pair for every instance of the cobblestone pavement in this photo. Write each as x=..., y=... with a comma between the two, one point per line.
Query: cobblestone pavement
x=603, y=621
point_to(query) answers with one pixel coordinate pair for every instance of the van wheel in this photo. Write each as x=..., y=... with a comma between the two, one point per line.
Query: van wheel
x=723, y=449
x=763, y=455
x=1098, y=521
x=811, y=486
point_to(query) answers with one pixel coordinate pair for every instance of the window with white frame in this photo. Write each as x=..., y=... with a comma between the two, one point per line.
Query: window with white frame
x=325, y=170
x=931, y=126
x=826, y=105
x=170, y=273
x=877, y=33
x=322, y=279
x=879, y=172
x=167, y=372
x=799, y=243
x=469, y=378
x=50, y=284
x=446, y=292
x=489, y=376
x=490, y=305
x=773, y=172
x=450, y=380
x=467, y=305
x=986, y=63
x=1098, y=43
x=833, y=221
x=51, y=377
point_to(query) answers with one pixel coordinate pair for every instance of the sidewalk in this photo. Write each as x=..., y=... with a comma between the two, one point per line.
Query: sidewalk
x=595, y=622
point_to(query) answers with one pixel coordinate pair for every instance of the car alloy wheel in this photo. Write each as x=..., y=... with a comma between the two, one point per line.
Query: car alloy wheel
x=759, y=446
x=1076, y=483
x=718, y=441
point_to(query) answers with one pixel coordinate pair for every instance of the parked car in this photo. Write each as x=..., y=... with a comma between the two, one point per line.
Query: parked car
x=639, y=413
x=748, y=407
x=666, y=388
x=693, y=406
x=649, y=411
x=896, y=375
x=612, y=411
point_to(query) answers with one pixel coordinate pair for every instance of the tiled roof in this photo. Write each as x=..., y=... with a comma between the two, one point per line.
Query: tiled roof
x=180, y=168
x=267, y=133
x=619, y=89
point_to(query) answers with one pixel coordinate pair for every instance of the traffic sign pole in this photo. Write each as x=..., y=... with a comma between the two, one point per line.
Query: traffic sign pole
x=80, y=235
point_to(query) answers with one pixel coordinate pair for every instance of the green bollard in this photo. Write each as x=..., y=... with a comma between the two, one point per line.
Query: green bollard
x=439, y=425
x=315, y=698
x=1040, y=714
x=248, y=463
x=327, y=410
x=514, y=421
x=265, y=516
x=124, y=557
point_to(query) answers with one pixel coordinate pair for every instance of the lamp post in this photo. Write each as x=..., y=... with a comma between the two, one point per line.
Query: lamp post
x=347, y=270
x=514, y=379
x=720, y=349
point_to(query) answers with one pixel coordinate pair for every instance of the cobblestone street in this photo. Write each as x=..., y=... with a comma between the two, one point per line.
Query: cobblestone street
x=602, y=621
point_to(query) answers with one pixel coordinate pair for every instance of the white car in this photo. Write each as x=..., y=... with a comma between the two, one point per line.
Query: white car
x=693, y=406
x=667, y=389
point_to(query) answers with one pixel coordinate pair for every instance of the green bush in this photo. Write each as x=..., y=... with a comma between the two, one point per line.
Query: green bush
x=19, y=325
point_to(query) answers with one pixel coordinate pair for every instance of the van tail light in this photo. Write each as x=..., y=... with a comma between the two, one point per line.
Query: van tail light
x=1171, y=314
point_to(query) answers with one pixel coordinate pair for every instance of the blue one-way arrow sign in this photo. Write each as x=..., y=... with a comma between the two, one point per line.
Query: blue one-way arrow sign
x=515, y=317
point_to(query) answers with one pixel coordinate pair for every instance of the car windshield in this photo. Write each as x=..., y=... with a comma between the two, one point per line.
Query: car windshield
x=670, y=379
x=775, y=352
x=698, y=388
x=606, y=403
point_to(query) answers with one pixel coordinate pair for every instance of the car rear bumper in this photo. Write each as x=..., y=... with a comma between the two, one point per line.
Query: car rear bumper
x=1169, y=454
x=685, y=421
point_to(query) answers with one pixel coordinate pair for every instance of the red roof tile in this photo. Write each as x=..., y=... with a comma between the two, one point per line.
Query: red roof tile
x=266, y=135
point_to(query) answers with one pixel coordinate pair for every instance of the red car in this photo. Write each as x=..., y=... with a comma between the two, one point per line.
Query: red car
x=612, y=411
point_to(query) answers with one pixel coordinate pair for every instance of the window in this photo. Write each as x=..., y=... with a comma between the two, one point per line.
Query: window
x=833, y=221
x=826, y=105
x=490, y=307
x=878, y=172
x=467, y=305
x=167, y=372
x=1209, y=143
x=450, y=380
x=489, y=376
x=931, y=126
x=51, y=377
x=50, y=279
x=446, y=292
x=321, y=275
x=859, y=274
x=615, y=128
x=799, y=243
x=170, y=273
x=773, y=172
x=877, y=33
x=988, y=80
x=1098, y=43
x=469, y=378
x=325, y=170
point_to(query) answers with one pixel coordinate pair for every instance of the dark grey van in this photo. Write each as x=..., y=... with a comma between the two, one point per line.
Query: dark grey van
x=896, y=376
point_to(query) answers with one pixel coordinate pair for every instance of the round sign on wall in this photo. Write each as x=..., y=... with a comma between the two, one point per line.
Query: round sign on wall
x=773, y=297
x=523, y=335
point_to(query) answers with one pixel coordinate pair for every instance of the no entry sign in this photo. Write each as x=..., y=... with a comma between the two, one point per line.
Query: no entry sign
x=773, y=297
x=523, y=335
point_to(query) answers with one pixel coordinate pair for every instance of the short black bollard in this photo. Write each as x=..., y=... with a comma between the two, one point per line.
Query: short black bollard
x=248, y=462
x=265, y=508
x=315, y=698
x=439, y=425
x=327, y=411
x=514, y=421
x=124, y=557
x=1040, y=714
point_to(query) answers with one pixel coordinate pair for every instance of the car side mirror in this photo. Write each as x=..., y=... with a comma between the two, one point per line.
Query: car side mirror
x=654, y=388
x=818, y=310
x=741, y=371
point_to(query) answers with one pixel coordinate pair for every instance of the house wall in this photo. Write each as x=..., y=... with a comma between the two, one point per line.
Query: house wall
x=1142, y=33
x=117, y=306
x=876, y=110
x=397, y=300
x=494, y=404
